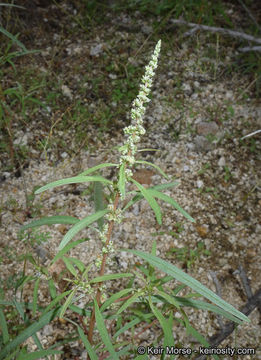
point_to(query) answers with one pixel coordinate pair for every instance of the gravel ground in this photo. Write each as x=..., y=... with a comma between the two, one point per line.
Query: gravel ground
x=196, y=125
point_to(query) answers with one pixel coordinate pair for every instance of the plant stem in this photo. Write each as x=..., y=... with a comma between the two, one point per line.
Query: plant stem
x=102, y=270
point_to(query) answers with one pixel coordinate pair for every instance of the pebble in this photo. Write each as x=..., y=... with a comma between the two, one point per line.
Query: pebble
x=207, y=128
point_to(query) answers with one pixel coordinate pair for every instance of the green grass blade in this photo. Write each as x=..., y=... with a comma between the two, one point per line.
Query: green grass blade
x=172, y=202
x=103, y=332
x=189, y=281
x=152, y=202
x=79, y=226
x=95, y=168
x=72, y=180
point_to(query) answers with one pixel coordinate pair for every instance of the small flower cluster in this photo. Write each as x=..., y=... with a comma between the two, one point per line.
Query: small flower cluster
x=136, y=130
x=114, y=215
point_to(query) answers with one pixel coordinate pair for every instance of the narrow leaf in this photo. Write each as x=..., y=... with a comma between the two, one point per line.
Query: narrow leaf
x=38, y=354
x=172, y=202
x=167, y=330
x=189, y=281
x=108, y=277
x=79, y=226
x=97, y=167
x=87, y=345
x=35, y=293
x=99, y=202
x=67, y=248
x=4, y=328
x=122, y=179
x=103, y=332
x=153, y=165
x=113, y=298
x=67, y=302
x=72, y=180
x=50, y=220
x=152, y=202
x=25, y=334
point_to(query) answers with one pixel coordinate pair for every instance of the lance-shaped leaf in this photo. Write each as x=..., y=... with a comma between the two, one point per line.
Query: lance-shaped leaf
x=50, y=220
x=172, y=202
x=189, y=281
x=152, y=202
x=81, y=225
x=103, y=332
x=122, y=180
x=99, y=201
x=72, y=180
x=95, y=168
x=153, y=165
x=108, y=277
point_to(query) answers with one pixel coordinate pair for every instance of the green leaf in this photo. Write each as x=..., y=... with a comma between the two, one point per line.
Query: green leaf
x=99, y=202
x=56, y=301
x=172, y=202
x=97, y=167
x=199, y=304
x=4, y=328
x=152, y=202
x=13, y=38
x=167, y=329
x=81, y=225
x=122, y=180
x=139, y=196
x=73, y=180
x=68, y=302
x=103, y=332
x=67, y=248
x=69, y=266
x=113, y=298
x=31, y=330
x=169, y=299
x=189, y=281
x=50, y=220
x=153, y=165
x=108, y=277
x=87, y=345
x=128, y=302
x=36, y=286
x=38, y=354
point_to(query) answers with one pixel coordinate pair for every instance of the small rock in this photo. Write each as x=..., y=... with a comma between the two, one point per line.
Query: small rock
x=199, y=184
x=207, y=128
x=187, y=89
x=202, y=144
x=96, y=50
x=221, y=162
x=66, y=91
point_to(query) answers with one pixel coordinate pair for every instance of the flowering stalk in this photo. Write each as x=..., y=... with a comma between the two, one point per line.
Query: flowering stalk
x=127, y=160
